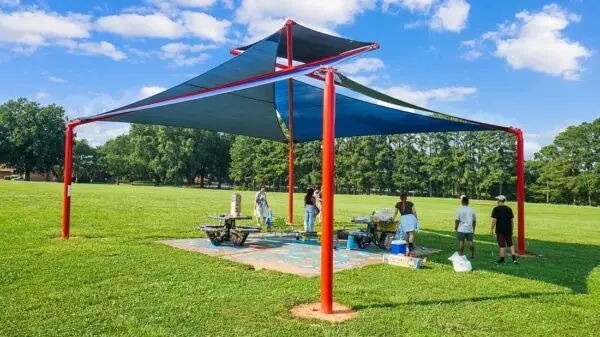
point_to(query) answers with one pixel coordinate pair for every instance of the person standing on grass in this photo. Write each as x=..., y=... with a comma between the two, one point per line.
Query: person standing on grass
x=464, y=225
x=502, y=223
x=309, y=210
x=318, y=204
x=409, y=222
x=261, y=206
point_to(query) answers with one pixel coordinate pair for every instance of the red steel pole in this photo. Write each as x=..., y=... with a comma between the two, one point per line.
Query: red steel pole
x=66, y=220
x=327, y=199
x=521, y=189
x=290, y=63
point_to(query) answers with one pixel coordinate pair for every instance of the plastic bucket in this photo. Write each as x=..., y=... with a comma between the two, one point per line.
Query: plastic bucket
x=351, y=243
x=398, y=247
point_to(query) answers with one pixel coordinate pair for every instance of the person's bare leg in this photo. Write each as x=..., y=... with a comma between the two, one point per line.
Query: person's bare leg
x=472, y=249
x=502, y=252
x=514, y=255
x=461, y=247
x=411, y=239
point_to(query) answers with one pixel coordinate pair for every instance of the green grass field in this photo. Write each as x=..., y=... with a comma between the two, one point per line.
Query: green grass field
x=112, y=278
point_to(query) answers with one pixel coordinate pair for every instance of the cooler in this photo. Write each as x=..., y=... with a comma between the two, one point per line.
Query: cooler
x=398, y=247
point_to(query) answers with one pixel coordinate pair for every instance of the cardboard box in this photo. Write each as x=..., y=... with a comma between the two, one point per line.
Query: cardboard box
x=403, y=261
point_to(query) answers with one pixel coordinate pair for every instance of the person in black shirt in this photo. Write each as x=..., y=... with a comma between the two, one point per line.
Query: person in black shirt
x=408, y=222
x=502, y=224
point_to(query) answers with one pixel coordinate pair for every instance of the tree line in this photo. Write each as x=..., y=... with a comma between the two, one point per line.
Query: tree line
x=479, y=164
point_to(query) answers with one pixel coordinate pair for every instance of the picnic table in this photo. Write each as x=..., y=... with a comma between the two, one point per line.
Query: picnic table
x=227, y=230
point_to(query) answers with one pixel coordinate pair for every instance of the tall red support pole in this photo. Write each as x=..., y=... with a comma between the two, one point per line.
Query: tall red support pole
x=327, y=197
x=520, y=189
x=290, y=63
x=66, y=220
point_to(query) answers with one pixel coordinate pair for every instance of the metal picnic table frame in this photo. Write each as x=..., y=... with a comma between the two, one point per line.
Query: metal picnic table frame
x=375, y=233
x=227, y=230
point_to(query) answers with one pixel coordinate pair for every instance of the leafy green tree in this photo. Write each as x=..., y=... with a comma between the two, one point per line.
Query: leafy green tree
x=407, y=164
x=116, y=159
x=35, y=136
x=85, y=160
x=243, y=154
x=307, y=164
x=271, y=164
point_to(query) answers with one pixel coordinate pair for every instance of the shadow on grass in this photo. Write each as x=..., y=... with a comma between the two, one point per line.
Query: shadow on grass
x=456, y=300
x=564, y=264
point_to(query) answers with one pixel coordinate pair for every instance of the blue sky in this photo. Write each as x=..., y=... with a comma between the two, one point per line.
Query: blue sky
x=527, y=63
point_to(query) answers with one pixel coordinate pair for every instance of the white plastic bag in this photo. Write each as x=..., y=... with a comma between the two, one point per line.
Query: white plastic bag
x=460, y=263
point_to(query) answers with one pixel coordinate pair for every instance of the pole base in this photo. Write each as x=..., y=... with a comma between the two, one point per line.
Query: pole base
x=313, y=311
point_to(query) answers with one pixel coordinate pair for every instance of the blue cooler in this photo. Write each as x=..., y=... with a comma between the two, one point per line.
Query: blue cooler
x=398, y=247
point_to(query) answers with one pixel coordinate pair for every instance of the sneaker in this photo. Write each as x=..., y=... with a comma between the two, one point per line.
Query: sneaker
x=500, y=261
x=515, y=261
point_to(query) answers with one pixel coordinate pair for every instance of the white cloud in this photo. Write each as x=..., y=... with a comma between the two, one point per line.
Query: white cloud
x=205, y=26
x=94, y=48
x=536, y=41
x=135, y=25
x=56, y=79
x=92, y=103
x=438, y=15
x=472, y=52
x=36, y=28
x=366, y=64
x=146, y=92
x=451, y=15
x=159, y=25
x=264, y=17
x=169, y=7
x=177, y=53
x=98, y=133
x=41, y=95
x=365, y=80
x=228, y=4
x=423, y=97
x=412, y=5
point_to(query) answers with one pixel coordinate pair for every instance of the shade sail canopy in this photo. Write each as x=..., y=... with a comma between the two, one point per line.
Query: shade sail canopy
x=310, y=45
x=249, y=111
x=243, y=95
x=355, y=117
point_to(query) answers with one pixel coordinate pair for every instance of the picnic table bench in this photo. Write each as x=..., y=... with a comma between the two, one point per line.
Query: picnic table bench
x=227, y=230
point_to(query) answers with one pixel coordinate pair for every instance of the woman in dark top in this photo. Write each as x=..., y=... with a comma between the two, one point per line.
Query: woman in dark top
x=309, y=210
x=408, y=221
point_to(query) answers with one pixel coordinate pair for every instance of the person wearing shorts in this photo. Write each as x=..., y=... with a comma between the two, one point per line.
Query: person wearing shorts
x=502, y=224
x=409, y=223
x=464, y=225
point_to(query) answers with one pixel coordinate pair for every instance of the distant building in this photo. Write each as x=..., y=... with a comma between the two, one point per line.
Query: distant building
x=5, y=171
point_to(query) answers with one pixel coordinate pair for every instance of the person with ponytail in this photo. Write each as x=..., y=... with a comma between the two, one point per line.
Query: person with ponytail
x=409, y=222
x=309, y=211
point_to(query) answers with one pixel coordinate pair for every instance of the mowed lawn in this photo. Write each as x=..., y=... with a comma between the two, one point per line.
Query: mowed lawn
x=112, y=278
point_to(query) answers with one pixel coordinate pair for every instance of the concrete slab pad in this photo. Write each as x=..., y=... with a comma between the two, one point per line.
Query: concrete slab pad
x=285, y=254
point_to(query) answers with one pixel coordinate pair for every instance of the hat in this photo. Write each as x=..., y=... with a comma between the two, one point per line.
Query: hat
x=501, y=198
